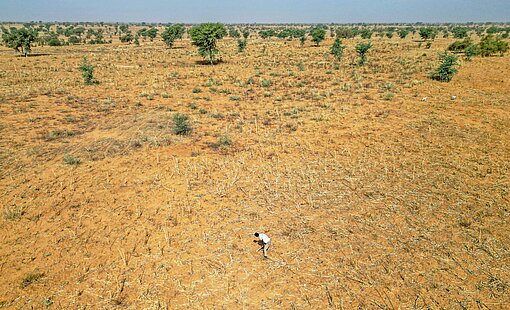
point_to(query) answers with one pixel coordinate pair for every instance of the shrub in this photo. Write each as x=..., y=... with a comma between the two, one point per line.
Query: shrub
x=491, y=45
x=128, y=37
x=71, y=160
x=472, y=51
x=87, y=71
x=427, y=33
x=241, y=45
x=204, y=36
x=234, y=33
x=73, y=40
x=224, y=141
x=181, y=124
x=447, y=68
x=318, y=34
x=459, y=46
x=246, y=34
x=460, y=32
x=366, y=34
x=172, y=33
x=362, y=49
x=302, y=40
x=337, y=49
x=265, y=83
x=30, y=278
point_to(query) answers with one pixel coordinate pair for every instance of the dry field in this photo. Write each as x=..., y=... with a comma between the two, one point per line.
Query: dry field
x=375, y=197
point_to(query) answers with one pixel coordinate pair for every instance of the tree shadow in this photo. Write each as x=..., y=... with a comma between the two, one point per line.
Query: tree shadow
x=207, y=62
x=33, y=55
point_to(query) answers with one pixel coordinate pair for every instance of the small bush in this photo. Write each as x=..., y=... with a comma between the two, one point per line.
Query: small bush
x=224, y=141
x=30, y=278
x=71, y=160
x=446, y=69
x=362, y=49
x=337, y=49
x=196, y=90
x=13, y=213
x=459, y=46
x=241, y=45
x=87, y=71
x=265, y=83
x=181, y=124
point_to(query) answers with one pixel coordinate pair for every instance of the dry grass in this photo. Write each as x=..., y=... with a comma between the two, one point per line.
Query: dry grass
x=370, y=202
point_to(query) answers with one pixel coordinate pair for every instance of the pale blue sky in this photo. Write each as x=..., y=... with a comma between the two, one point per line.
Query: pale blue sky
x=259, y=11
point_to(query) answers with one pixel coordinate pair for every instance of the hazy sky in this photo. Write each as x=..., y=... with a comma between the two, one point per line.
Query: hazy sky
x=260, y=11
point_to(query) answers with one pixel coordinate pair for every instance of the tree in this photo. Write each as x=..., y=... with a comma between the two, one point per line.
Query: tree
x=205, y=36
x=234, y=33
x=366, y=33
x=318, y=34
x=403, y=33
x=460, y=32
x=19, y=39
x=128, y=37
x=446, y=69
x=172, y=33
x=302, y=40
x=241, y=45
x=337, y=49
x=362, y=49
x=427, y=33
x=246, y=33
x=490, y=45
x=152, y=33
x=87, y=71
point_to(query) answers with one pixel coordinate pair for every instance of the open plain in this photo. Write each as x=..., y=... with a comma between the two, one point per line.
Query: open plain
x=380, y=187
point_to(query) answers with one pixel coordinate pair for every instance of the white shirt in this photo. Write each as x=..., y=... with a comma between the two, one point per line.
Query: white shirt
x=264, y=238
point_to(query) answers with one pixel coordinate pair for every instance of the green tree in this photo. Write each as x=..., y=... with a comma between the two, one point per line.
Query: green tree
x=87, y=71
x=366, y=33
x=128, y=37
x=302, y=40
x=241, y=45
x=460, y=32
x=205, y=37
x=427, y=33
x=403, y=33
x=19, y=39
x=172, y=33
x=246, y=33
x=362, y=49
x=318, y=34
x=152, y=33
x=490, y=45
x=337, y=49
x=234, y=33
x=446, y=69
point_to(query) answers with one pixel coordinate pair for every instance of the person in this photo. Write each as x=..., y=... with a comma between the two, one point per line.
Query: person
x=265, y=241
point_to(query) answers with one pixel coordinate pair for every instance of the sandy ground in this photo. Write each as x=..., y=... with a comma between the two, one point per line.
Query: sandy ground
x=378, y=189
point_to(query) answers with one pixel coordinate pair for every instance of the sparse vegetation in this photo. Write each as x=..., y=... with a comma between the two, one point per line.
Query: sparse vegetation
x=399, y=181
